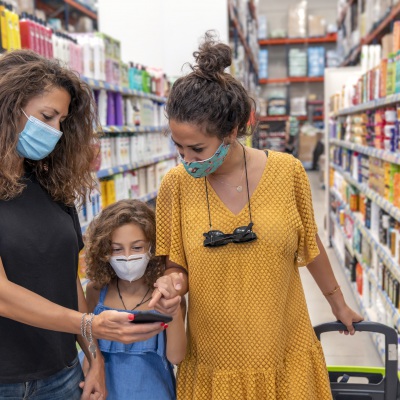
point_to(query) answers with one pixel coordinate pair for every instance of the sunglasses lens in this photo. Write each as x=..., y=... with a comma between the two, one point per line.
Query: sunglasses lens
x=215, y=239
x=243, y=234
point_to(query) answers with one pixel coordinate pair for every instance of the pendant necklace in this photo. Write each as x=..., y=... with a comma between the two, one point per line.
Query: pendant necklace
x=137, y=305
x=239, y=188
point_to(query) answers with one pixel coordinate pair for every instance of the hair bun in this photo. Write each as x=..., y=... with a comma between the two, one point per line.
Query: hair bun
x=212, y=57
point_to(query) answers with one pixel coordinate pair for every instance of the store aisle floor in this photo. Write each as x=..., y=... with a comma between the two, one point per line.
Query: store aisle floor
x=338, y=349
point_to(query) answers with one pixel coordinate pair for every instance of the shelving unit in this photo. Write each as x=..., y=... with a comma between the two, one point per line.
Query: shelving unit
x=103, y=173
x=96, y=84
x=281, y=47
x=373, y=36
x=132, y=129
x=371, y=194
x=64, y=8
x=287, y=81
x=289, y=41
x=129, y=129
x=364, y=311
x=271, y=118
x=388, y=156
x=381, y=255
x=240, y=38
x=146, y=198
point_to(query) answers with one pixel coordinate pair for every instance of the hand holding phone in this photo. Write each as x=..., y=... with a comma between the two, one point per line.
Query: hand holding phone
x=145, y=317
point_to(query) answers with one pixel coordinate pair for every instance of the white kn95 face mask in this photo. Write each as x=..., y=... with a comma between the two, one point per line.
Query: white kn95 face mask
x=130, y=268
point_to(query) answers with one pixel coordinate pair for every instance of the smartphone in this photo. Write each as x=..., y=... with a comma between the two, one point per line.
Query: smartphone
x=145, y=317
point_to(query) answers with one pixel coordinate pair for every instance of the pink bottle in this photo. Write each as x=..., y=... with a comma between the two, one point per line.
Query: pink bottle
x=33, y=31
x=49, y=41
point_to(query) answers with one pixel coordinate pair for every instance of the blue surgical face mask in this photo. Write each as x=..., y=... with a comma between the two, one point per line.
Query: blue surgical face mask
x=200, y=169
x=37, y=140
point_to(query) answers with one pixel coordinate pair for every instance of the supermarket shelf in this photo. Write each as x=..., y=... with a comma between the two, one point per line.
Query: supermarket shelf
x=364, y=312
x=132, y=129
x=82, y=8
x=388, y=156
x=271, y=118
x=371, y=194
x=389, y=306
x=252, y=8
x=129, y=167
x=373, y=35
x=344, y=12
x=370, y=105
x=96, y=84
x=242, y=38
x=346, y=240
x=84, y=226
x=146, y=198
x=382, y=251
x=287, y=81
x=286, y=41
x=55, y=7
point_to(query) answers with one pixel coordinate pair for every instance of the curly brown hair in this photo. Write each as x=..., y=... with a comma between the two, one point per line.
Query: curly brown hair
x=65, y=173
x=209, y=97
x=98, y=240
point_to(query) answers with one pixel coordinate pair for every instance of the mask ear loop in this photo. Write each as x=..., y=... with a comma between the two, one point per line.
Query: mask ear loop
x=25, y=113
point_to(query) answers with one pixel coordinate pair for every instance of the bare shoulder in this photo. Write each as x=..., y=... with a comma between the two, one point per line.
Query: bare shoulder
x=92, y=295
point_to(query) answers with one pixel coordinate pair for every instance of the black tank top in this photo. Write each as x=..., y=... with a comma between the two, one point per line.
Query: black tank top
x=39, y=246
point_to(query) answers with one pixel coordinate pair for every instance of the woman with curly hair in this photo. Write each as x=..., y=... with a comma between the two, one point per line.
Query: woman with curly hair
x=46, y=148
x=121, y=265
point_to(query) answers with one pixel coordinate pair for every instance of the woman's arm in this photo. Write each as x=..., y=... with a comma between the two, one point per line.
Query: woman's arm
x=95, y=380
x=323, y=275
x=22, y=305
x=176, y=335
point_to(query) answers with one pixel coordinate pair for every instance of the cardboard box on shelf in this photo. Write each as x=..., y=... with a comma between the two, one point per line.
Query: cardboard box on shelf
x=387, y=45
x=316, y=26
x=297, y=20
x=306, y=147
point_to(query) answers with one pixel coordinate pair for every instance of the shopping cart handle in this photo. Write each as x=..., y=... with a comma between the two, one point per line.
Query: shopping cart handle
x=364, y=326
x=389, y=384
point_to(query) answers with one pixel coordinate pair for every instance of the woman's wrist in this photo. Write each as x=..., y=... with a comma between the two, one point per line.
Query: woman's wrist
x=336, y=300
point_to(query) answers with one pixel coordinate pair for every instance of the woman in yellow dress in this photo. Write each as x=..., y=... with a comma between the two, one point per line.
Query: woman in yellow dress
x=235, y=224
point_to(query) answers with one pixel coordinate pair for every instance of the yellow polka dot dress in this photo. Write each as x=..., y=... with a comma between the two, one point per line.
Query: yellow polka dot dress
x=249, y=333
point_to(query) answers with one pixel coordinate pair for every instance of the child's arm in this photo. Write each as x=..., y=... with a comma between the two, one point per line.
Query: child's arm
x=176, y=335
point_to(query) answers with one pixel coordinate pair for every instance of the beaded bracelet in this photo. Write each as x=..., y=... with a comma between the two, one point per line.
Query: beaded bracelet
x=332, y=292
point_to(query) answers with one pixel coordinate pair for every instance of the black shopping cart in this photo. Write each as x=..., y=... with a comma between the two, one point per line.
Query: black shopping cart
x=382, y=383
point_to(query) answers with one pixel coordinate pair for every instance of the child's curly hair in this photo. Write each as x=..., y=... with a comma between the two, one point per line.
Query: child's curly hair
x=98, y=240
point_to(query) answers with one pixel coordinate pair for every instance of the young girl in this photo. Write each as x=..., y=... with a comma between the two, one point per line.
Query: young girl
x=120, y=245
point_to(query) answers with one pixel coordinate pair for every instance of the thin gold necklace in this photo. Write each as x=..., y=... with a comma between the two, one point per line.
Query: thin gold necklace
x=239, y=188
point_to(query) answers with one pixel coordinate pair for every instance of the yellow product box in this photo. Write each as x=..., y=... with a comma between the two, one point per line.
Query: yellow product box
x=103, y=192
x=111, y=196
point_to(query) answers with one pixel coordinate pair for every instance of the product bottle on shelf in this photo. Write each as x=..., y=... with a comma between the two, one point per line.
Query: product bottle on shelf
x=16, y=32
x=27, y=36
x=3, y=28
x=9, y=27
